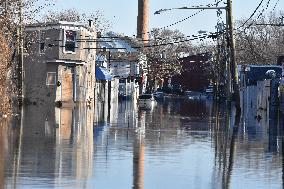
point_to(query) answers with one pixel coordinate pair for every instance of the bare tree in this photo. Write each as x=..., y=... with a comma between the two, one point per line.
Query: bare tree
x=10, y=13
x=163, y=53
x=261, y=40
x=102, y=24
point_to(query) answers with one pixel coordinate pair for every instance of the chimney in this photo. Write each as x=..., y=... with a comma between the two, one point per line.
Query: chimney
x=90, y=21
x=143, y=20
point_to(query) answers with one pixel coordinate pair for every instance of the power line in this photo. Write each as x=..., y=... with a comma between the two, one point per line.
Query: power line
x=191, y=38
x=177, y=22
x=264, y=9
x=260, y=14
x=208, y=5
x=251, y=15
x=176, y=41
x=275, y=5
x=183, y=19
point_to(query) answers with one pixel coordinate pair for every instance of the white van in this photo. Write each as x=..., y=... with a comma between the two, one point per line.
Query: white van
x=146, y=101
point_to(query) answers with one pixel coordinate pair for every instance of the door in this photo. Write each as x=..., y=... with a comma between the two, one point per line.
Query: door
x=67, y=85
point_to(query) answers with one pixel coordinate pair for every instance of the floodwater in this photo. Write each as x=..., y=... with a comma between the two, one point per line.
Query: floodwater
x=177, y=144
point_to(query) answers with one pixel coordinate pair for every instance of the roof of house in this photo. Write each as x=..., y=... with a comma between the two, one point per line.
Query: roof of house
x=116, y=43
x=58, y=25
x=55, y=23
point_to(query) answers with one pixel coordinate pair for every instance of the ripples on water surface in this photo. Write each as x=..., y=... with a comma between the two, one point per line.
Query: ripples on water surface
x=178, y=144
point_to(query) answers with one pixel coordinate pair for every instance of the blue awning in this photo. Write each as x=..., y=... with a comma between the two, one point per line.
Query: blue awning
x=102, y=74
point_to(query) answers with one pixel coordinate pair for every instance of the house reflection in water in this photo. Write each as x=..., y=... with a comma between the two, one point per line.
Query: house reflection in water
x=74, y=135
x=54, y=145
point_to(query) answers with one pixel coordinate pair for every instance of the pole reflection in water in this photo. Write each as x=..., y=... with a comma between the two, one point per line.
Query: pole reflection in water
x=3, y=150
x=139, y=158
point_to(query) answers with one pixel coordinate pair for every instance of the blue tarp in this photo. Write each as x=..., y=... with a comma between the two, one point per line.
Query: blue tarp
x=102, y=74
x=258, y=73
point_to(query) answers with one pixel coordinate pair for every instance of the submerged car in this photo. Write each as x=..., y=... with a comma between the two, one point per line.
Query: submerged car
x=146, y=101
x=193, y=95
x=159, y=95
x=210, y=91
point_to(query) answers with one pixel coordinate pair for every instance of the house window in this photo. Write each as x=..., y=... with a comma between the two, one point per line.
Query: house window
x=51, y=78
x=41, y=41
x=70, y=41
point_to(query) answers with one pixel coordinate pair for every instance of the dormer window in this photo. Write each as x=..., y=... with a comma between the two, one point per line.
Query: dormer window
x=70, y=41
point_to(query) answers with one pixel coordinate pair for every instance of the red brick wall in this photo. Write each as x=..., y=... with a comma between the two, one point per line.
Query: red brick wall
x=193, y=77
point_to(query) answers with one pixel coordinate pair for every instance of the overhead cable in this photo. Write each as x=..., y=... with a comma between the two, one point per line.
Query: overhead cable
x=254, y=12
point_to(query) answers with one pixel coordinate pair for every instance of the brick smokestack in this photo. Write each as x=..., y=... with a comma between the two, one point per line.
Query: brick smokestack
x=143, y=20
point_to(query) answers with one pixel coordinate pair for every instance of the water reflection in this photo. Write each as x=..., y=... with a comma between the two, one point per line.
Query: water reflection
x=52, y=145
x=3, y=149
x=178, y=144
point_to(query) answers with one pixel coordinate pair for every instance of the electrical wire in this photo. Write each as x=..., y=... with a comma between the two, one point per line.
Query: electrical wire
x=193, y=37
x=259, y=15
x=175, y=23
x=177, y=40
x=119, y=38
x=275, y=5
x=254, y=12
x=264, y=9
x=180, y=21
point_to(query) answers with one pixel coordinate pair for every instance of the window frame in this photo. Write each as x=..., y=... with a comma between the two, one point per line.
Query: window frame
x=65, y=40
x=55, y=81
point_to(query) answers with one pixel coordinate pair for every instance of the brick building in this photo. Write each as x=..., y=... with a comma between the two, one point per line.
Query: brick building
x=193, y=76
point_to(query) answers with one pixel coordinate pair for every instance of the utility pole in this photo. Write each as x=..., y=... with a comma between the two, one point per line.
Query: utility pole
x=231, y=66
x=232, y=51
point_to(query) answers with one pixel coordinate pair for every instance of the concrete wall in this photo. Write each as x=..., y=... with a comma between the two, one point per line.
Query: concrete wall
x=106, y=100
x=113, y=109
x=101, y=103
x=52, y=44
x=114, y=90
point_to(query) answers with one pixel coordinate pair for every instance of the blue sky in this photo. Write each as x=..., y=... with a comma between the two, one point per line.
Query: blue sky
x=123, y=13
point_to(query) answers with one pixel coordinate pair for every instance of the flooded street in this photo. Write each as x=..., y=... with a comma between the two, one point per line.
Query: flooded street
x=177, y=144
x=141, y=94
